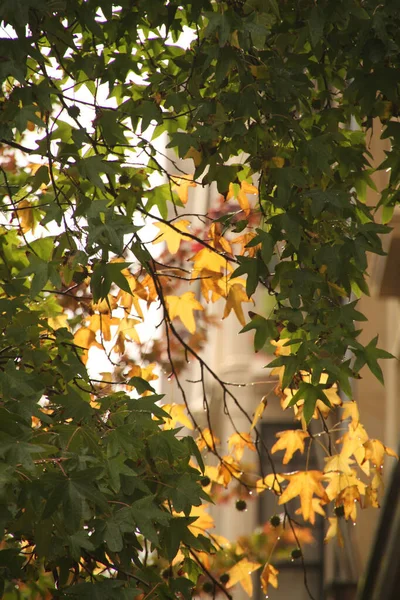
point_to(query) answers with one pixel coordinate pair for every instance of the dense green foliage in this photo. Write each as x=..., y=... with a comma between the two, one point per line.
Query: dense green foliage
x=292, y=88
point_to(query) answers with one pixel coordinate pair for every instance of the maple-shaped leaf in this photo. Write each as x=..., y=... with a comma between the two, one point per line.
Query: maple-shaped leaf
x=170, y=235
x=85, y=338
x=290, y=441
x=269, y=576
x=270, y=482
x=227, y=469
x=334, y=531
x=102, y=322
x=370, y=355
x=348, y=498
x=217, y=240
x=241, y=573
x=209, y=284
x=204, y=520
x=209, y=260
x=338, y=481
x=244, y=240
x=236, y=296
x=305, y=484
x=177, y=412
x=375, y=452
x=258, y=413
x=339, y=463
x=350, y=411
x=182, y=307
x=238, y=442
x=241, y=195
x=206, y=440
x=181, y=186
x=317, y=508
x=127, y=328
x=310, y=394
x=353, y=444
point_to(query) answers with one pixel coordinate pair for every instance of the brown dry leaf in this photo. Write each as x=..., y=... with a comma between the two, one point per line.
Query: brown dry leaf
x=371, y=498
x=269, y=576
x=241, y=573
x=236, y=296
x=182, y=307
x=206, y=440
x=181, y=186
x=177, y=412
x=290, y=441
x=350, y=410
x=334, y=531
x=304, y=484
x=170, y=236
x=349, y=498
x=238, y=442
x=258, y=413
x=270, y=482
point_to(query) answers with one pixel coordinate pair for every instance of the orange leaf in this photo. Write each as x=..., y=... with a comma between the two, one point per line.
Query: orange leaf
x=349, y=498
x=304, y=484
x=290, y=441
x=25, y=215
x=183, y=308
x=269, y=575
x=241, y=573
x=170, y=236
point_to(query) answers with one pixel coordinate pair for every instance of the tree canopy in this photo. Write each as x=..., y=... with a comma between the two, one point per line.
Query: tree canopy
x=274, y=103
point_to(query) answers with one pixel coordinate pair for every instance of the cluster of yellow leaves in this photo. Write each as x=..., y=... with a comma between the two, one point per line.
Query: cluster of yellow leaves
x=240, y=193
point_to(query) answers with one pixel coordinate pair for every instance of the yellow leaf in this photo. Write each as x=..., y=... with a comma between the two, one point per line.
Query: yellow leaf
x=339, y=463
x=181, y=186
x=290, y=441
x=350, y=410
x=270, y=482
x=353, y=443
x=339, y=481
x=183, y=307
x=58, y=321
x=207, y=259
x=102, y=323
x=304, y=484
x=209, y=283
x=248, y=188
x=375, y=452
x=317, y=507
x=178, y=414
x=170, y=236
x=269, y=576
x=216, y=239
x=236, y=296
x=25, y=215
x=348, y=498
x=333, y=531
x=227, y=469
x=238, y=442
x=243, y=240
x=206, y=440
x=277, y=162
x=126, y=328
x=259, y=412
x=203, y=521
x=241, y=573
x=195, y=155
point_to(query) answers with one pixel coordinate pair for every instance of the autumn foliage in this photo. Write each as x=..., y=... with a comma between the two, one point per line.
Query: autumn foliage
x=113, y=269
